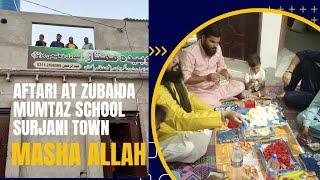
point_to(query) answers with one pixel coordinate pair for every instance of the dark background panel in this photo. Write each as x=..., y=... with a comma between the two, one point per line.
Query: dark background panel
x=171, y=21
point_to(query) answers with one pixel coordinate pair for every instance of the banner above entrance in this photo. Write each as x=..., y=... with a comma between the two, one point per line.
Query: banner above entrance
x=87, y=60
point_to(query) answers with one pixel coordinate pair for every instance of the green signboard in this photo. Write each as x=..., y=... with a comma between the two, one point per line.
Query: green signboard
x=87, y=60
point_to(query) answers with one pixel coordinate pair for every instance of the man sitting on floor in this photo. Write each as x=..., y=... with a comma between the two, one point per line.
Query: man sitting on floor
x=304, y=67
x=310, y=118
x=202, y=65
x=182, y=135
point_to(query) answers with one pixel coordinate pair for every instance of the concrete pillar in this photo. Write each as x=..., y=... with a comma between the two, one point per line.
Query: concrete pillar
x=269, y=39
x=12, y=171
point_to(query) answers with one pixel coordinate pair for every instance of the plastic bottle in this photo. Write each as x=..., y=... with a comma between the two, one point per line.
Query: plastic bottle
x=273, y=167
x=236, y=162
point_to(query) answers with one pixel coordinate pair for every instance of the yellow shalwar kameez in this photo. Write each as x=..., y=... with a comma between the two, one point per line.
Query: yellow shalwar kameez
x=183, y=136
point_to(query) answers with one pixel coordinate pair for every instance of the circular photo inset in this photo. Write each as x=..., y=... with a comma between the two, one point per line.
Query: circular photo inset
x=223, y=99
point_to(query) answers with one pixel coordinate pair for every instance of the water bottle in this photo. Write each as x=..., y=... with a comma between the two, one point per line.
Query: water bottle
x=273, y=167
x=236, y=162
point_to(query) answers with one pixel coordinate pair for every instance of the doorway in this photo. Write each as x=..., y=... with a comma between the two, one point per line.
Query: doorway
x=4, y=133
x=126, y=129
x=240, y=35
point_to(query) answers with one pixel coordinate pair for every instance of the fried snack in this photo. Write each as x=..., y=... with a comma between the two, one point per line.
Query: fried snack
x=258, y=132
x=249, y=172
x=245, y=146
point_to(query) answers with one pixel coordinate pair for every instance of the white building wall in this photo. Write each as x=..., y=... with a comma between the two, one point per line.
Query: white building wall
x=269, y=39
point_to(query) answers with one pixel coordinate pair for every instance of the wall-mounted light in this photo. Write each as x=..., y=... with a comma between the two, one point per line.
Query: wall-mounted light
x=37, y=78
x=8, y=77
x=64, y=79
x=4, y=21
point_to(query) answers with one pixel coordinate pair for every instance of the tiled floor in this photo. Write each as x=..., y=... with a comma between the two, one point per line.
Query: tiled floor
x=238, y=68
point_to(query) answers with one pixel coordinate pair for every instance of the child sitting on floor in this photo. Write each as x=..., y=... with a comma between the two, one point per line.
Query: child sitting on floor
x=255, y=78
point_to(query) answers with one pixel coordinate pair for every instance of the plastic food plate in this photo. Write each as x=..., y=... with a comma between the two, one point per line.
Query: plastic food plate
x=271, y=122
x=228, y=136
x=245, y=128
x=310, y=161
x=260, y=146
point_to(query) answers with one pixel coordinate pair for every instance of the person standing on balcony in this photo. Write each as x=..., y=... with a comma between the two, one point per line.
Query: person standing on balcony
x=87, y=45
x=71, y=45
x=41, y=41
x=57, y=43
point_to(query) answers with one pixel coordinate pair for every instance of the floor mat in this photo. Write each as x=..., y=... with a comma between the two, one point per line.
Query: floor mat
x=289, y=114
x=199, y=169
x=206, y=164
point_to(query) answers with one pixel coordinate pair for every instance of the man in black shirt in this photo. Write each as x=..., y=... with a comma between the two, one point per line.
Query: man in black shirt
x=57, y=43
x=41, y=42
x=304, y=67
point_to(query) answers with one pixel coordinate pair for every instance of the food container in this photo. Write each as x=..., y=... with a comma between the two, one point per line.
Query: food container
x=253, y=134
x=310, y=161
x=228, y=136
x=261, y=146
x=269, y=122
